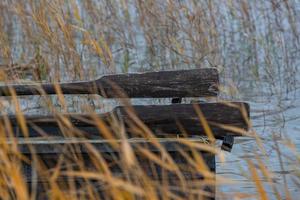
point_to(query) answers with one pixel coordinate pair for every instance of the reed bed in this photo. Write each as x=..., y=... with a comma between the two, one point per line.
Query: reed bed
x=254, y=44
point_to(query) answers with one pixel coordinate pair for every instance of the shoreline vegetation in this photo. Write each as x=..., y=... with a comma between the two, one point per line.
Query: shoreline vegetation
x=254, y=45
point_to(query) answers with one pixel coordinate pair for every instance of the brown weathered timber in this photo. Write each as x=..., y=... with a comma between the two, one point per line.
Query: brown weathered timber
x=161, y=119
x=180, y=83
x=114, y=162
x=56, y=145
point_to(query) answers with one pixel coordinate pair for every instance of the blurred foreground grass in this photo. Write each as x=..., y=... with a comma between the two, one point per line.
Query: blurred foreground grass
x=255, y=44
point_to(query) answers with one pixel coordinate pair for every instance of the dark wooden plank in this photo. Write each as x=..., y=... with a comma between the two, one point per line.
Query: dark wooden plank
x=162, y=84
x=161, y=119
x=145, y=163
x=153, y=171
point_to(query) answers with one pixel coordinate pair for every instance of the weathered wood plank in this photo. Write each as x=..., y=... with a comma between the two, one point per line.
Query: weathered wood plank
x=161, y=119
x=162, y=84
x=56, y=145
x=147, y=168
x=50, y=151
x=145, y=163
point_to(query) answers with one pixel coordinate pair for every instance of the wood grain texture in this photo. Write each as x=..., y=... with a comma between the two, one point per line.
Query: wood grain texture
x=56, y=145
x=162, y=84
x=163, y=120
x=117, y=167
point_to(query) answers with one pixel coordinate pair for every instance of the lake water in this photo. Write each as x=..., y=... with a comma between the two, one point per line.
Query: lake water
x=272, y=122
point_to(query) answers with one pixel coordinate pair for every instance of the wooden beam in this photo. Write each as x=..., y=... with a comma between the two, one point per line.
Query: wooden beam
x=56, y=145
x=162, y=84
x=163, y=120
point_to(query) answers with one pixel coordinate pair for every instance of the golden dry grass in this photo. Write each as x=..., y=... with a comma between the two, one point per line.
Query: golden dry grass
x=74, y=40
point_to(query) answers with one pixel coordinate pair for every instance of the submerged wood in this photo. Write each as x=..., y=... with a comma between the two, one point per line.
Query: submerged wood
x=180, y=83
x=163, y=120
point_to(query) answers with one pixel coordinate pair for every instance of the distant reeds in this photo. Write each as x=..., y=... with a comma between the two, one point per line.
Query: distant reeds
x=255, y=44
